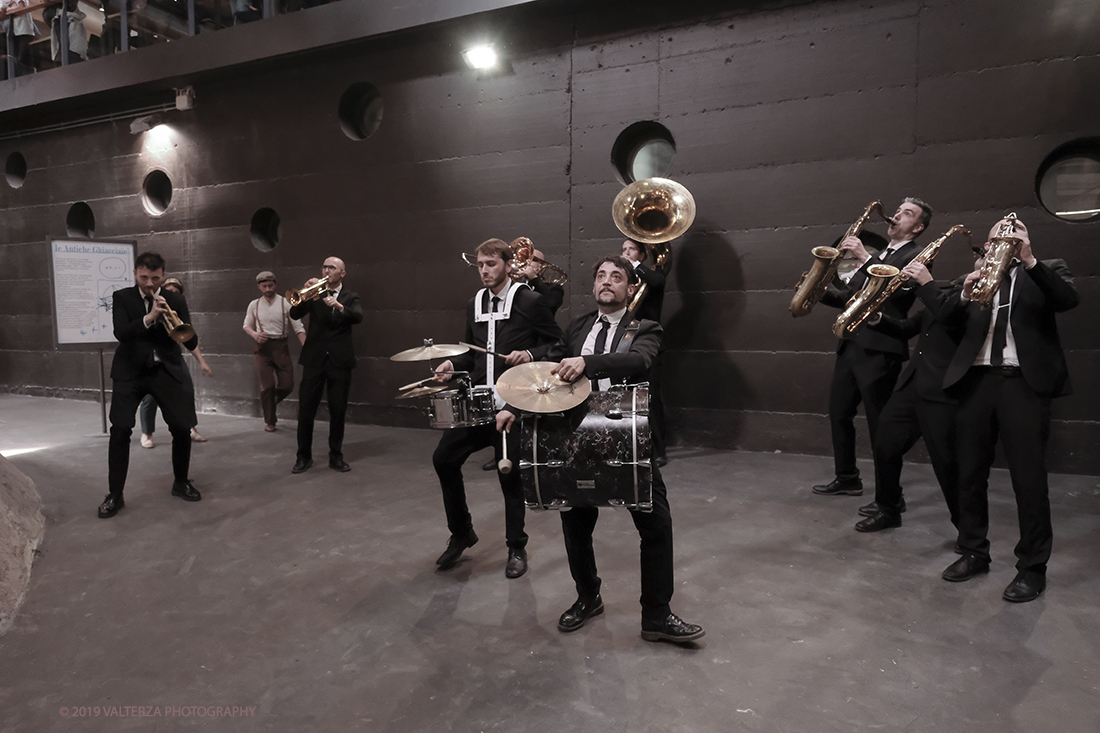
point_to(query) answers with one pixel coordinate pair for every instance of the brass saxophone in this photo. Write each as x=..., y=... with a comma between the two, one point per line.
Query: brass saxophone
x=856, y=320
x=815, y=281
x=879, y=277
x=1002, y=248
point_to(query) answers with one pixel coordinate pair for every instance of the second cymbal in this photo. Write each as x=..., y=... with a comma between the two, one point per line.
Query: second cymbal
x=430, y=350
x=533, y=388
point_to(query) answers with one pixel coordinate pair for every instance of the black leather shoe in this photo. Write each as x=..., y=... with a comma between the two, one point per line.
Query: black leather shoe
x=302, y=464
x=110, y=506
x=878, y=522
x=455, y=547
x=848, y=486
x=673, y=629
x=490, y=465
x=517, y=563
x=579, y=613
x=965, y=568
x=661, y=460
x=870, y=510
x=337, y=464
x=186, y=491
x=1026, y=587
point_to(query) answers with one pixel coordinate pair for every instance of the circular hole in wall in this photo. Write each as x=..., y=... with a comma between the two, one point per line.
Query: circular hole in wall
x=643, y=150
x=360, y=110
x=80, y=221
x=266, y=229
x=1068, y=181
x=16, y=170
x=156, y=192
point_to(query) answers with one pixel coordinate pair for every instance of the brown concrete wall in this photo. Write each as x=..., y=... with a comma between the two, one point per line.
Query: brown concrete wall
x=788, y=117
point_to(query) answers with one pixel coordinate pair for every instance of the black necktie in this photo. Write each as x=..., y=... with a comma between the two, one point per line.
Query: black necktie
x=1000, y=327
x=496, y=304
x=601, y=337
x=148, y=304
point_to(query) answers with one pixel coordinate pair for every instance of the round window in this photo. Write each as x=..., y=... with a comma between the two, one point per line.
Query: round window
x=1068, y=182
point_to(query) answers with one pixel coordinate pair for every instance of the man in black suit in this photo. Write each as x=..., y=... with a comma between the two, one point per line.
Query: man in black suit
x=607, y=345
x=867, y=366
x=918, y=407
x=148, y=361
x=650, y=310
x=327, y=359
x=507, y=318
x=1007, y=369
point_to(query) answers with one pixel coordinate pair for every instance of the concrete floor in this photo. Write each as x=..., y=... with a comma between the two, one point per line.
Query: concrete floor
x=313, y=601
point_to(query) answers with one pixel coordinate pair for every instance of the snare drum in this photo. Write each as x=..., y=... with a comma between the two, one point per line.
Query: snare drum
x=597, y=454
x=462, y=408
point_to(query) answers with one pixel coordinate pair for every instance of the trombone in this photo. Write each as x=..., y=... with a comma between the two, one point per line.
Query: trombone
x=311, y=292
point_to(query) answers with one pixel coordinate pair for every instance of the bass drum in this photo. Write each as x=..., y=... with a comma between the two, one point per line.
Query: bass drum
x=597, y=454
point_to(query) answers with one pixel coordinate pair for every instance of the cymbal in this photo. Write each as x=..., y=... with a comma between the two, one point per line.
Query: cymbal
x=430, y=351
x=424, y=391
x=533, y=388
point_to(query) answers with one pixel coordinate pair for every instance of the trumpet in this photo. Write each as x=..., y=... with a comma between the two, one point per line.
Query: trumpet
x=174, y=325
x=815, y=281
x=311, y=292
x=849, y=323
x=1002, y=248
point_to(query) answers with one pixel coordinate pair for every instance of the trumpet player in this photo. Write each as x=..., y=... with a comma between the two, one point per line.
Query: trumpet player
x=148, y=361
x=867, y=367
x=1007, y=369
x=327, y=359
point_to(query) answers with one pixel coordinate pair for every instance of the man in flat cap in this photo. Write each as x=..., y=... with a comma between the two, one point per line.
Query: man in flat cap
x=268, y=322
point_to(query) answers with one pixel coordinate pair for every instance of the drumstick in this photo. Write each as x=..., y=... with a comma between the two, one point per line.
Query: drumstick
x=484, y=351
x=504, y=465
x=421, y=383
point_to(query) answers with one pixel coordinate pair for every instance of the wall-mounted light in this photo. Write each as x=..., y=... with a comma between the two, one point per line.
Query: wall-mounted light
x=483, y=56
x=185, y=98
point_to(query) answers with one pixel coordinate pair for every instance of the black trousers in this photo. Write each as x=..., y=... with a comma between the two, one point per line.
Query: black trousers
x=998, y=404
x=458, y=444
x=859, y=376
x=655, y=530
x=176, y=401
x=906, y=417
x=336, y=383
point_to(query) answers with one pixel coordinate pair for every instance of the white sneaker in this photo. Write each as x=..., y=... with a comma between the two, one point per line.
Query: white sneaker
x=146, y=441
x=196, y=437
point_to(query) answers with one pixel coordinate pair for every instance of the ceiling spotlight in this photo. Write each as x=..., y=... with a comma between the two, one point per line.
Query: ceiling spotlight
x=480, y=57
x=142, y=124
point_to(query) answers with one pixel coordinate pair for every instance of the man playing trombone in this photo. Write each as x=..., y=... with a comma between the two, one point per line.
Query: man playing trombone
x=148, y=360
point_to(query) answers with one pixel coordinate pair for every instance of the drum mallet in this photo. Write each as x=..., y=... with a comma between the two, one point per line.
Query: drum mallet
x=504, y=465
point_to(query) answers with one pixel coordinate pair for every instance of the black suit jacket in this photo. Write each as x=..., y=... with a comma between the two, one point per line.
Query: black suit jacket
x=897, y=306
x=328, y=333
x=1040, y=293
x=530, y=325
x=653, y=302
x=552, y=295
x=631, y=366
x=137, y=344
x=936, y=346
